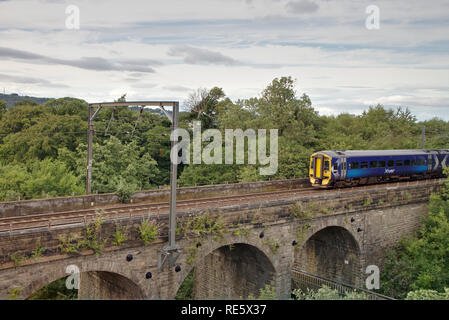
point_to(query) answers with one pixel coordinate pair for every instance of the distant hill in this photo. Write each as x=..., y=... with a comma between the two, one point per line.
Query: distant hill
x=13, y=98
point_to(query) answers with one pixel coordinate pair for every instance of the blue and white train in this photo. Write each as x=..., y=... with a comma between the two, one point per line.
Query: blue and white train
x=355, y=167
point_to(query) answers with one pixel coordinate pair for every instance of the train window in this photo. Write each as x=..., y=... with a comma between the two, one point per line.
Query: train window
x=354, y=165
x=312, y=163
x=398, y=163
x=414, y=162
x=364, y=165
x=326, y=165
x=391, y=163
x=382, y=164
x=422, y=162
x=335, y=166
x=373, y=164
x=407, y=163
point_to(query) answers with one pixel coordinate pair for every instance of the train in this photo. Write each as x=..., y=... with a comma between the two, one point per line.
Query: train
x=341, y=168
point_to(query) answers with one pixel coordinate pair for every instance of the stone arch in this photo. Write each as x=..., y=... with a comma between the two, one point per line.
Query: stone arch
x=106, y=285
x=241, y=263
x=332, y=252
x=95, y=283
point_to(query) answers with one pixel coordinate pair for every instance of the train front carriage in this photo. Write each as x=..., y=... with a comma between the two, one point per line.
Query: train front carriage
x=320, y=169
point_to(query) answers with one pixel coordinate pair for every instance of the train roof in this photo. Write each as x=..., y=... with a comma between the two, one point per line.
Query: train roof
x=370, y=153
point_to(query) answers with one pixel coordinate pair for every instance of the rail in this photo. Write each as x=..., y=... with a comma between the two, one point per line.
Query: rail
x=83, y=216
x=304, y=279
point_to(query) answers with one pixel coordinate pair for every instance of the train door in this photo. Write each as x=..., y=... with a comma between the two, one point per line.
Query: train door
x=343, y=168
x=318, y=167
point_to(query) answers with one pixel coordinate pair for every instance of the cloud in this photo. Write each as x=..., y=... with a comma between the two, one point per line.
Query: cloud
x=194, y=55
x=198, y=56
x=29, y=80
x=177, y=88
x=302, y=6
x=88, y=63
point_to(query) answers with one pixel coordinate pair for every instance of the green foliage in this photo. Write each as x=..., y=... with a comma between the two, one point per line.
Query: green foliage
x=92, y=235
x=421, y=262
x=132, y=150
x=193, y=249
x=273, y=244
x=428, y=295
x=56, y=290
x=301, y=210
x=125, y=191
x=91, y=238
x=2, y=107
x=203, y=106
x=445, y=192
x=15, y=293
x=209, y=174
x=266, y=293
x=120, y=235
x=206, y=224
x=41, y=178
x=367, y=202
x=149, y=231
x=39, y=250
x=18, y=258
x=308, y=210
x=185, y=291
x=300, y=233
x=240, y=230
x=68, y=244
x=327, y=293
x=118, y=167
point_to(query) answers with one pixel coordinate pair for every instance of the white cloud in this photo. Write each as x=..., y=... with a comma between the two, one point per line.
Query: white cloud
x=155, y=49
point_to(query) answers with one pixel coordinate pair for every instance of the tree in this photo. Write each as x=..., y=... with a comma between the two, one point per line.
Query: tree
x=44, y=177
x=51, y=177
x=116, y=164
x=2, y=106
x=42, y=137
x=203, y=106
x=421, y=262
x=26, y=102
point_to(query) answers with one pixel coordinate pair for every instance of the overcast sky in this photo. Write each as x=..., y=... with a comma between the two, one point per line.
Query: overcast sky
x=166, y=49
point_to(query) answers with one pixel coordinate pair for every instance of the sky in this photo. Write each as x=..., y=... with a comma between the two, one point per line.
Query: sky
x=165, y=50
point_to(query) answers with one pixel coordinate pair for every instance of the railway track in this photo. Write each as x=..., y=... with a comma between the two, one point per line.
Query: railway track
x=67, y=218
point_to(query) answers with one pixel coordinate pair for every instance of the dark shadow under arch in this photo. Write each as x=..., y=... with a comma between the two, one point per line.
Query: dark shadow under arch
x=332, y=253
x=93, y=285
x=232, y=272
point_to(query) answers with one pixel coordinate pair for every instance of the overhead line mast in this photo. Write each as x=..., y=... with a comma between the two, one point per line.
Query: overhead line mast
x=171, y=252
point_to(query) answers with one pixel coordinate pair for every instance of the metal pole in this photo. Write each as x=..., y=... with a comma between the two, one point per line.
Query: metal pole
x=173, y=176
x=423, y=138
x=90, y=130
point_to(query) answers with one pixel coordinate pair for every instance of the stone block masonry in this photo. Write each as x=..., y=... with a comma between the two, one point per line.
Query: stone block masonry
x=235, y=251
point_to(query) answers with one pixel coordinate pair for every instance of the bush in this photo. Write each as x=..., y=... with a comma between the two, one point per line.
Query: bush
x=428, y=295
x=125, y=191
x=119, y=236
x=327, y=293
x=149, y=231
x=266, y=293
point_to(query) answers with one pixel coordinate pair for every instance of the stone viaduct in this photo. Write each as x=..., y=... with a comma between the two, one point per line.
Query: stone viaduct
x=234, y=249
